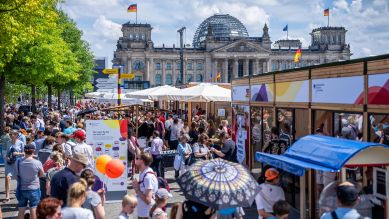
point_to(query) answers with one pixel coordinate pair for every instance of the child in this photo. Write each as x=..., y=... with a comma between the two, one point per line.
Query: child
x=161, y=197
x=129, y=204
x=280, y=210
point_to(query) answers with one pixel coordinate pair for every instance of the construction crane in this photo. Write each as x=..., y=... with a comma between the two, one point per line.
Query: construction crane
x=181, y=31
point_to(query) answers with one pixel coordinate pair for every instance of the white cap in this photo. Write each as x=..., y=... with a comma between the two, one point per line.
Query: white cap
x=163, y=193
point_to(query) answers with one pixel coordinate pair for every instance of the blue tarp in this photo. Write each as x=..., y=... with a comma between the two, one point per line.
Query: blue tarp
x=315, y=152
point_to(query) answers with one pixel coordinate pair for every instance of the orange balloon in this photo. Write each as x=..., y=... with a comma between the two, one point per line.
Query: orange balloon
x=101, y=163
x=114, y=168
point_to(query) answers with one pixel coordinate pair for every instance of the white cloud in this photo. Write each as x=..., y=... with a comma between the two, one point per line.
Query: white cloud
x=107, y=28
x=341, y=4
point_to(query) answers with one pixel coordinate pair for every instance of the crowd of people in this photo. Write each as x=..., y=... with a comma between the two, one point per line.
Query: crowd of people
x=46, y=153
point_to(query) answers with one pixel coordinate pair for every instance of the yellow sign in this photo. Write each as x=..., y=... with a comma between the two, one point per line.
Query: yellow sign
x=128, y=76
x=108, y=71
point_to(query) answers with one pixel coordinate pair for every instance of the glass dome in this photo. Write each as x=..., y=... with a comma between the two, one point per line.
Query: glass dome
x=223, y=26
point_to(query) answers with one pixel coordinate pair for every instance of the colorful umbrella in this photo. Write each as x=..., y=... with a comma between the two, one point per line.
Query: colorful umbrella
x=219, y=184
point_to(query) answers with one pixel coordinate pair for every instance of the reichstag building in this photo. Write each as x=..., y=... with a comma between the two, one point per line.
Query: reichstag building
x=222, y=45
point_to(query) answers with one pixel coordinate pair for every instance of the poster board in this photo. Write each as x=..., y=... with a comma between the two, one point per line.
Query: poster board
x=109, y=137
x=342, y=90
x=292, y=91
x=241, y=125
x=378, y=91
x=240, y=93
x=262, y=93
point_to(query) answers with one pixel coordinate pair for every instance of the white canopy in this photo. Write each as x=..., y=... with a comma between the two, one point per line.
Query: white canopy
x=102, y=92
x=125, y=101
x=154, y=93
x=204, y=92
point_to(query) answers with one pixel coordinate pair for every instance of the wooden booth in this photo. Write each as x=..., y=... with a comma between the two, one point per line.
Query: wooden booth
x=347, y=99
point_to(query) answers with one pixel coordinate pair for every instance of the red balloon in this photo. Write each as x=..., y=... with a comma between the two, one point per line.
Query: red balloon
x=114, y=168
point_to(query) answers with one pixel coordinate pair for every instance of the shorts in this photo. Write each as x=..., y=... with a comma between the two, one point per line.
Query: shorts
x=30, y=197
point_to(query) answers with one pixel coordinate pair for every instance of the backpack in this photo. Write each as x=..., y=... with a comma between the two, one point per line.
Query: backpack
x=11, y=158
x=191, y=209
x=162, y=183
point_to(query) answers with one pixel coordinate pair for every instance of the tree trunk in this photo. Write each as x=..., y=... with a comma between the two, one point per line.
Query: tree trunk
x=49, y=96
x=33, y=98
x=71, y=94
x=2, y=102
x=59, y=99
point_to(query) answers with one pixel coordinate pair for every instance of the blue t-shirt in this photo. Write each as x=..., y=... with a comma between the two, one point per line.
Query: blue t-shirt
x=69, y=131
x=345, y=213
x=61, y=182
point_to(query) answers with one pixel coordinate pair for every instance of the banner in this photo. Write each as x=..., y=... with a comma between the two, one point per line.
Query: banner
x=240, y=133
x=378, y=91
x=109, y=137
x=240, y=93
x=293, y=91
x=262, y=93
x=343, y=90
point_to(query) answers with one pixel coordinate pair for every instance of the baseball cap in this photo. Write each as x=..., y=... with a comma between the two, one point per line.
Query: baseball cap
x=163, y=193
x=80, y=158
x=346, y=192
x=29, y=147
x=79, y=134
x=271, y=174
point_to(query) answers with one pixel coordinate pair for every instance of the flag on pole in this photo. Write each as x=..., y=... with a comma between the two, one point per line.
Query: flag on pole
x=218, y=76
x=327, y=12
x=132, y=8
x=297, y=56
x=285, y=28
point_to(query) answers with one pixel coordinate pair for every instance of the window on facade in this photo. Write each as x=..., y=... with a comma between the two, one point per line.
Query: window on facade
x=158, y=79
x=178, y=66
x=189, y=78
x=189, y=66
x=157, y=66
x=136, y=36
x=168, y=66
x=169, y=79
x=199, y=66
x=274, y=66
x=143, y=36
x=334, y=39
x=138, y=78
x=178, y=79
x=284, y=66
x=130, y=36
x=339, y=39
x=199, y=78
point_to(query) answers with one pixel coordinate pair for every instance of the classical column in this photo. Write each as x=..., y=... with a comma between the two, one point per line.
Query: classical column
x=260, y=66
x=246, y=67
x=163, y=81
x=235, y=68
x=266, y=65
x=174, y=65
x=225, y=71
x=255, y=66
x=129, y=65
x=214, y=70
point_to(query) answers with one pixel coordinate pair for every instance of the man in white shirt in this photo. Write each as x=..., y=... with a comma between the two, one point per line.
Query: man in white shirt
x=269, y=194
x=147, y=185
x=82, y=148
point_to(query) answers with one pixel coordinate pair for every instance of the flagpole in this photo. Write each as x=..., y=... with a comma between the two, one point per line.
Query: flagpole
x=136, y=15
x=287, y=33
x=328, y=24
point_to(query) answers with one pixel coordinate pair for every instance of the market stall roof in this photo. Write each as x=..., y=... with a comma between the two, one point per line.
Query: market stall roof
x=154, y=93
x=326, y=154
x=204, y=92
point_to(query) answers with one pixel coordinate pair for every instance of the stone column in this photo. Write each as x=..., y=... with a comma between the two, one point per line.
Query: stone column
x=225, y=71
x=235, y=68
x=260, y=66
x=267, y=66
x=214, y=70
x=207, y=68
x=129, y=65
x=174, y=65
x=246, y=67
x=255, y=66
x=163, y=72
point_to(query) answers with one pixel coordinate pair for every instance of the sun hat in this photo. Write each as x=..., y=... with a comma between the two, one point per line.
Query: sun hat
x=80, y=158
x=163, y=193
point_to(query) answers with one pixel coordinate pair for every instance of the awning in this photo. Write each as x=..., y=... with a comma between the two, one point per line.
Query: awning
x=320, y=153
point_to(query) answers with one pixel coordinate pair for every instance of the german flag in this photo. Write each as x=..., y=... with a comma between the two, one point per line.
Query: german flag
x=132, y=8
x=327, y=12
x=297, y=56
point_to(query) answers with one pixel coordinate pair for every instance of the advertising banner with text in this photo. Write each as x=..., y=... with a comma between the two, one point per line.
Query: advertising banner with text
x=240, y=93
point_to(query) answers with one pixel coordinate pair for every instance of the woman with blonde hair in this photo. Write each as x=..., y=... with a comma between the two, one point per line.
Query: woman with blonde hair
x=94, y=201
x=76, y=197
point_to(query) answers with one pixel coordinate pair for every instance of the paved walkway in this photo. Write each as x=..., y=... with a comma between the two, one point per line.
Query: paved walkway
x=112, y=209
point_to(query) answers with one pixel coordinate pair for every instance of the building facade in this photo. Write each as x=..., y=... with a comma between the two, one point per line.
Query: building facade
x=222, y=47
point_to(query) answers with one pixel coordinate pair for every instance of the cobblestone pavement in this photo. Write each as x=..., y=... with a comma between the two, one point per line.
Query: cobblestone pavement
x=112, y=209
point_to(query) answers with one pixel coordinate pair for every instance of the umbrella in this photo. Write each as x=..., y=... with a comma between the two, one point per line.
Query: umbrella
x=87, y=111
x=219, y=184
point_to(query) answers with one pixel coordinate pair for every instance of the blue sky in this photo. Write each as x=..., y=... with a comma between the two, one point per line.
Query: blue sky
x=366, y=20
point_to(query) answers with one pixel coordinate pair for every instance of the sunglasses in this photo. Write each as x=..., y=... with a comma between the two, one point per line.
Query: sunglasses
x=138, y=158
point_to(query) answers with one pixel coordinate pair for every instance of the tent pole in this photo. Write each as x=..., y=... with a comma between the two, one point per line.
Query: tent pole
x=137, y=120
x=302, y=196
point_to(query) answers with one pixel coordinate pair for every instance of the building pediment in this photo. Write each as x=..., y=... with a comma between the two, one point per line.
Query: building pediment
x=241, y=46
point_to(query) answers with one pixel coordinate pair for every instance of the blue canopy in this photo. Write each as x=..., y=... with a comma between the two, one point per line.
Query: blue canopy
x=315, y=152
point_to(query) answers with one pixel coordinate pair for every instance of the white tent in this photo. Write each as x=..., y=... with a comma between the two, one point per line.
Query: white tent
x=154, y=93
x=204, y=92
x=125, y=101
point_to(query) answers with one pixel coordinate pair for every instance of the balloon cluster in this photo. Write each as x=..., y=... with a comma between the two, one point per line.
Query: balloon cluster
x=113, y=168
